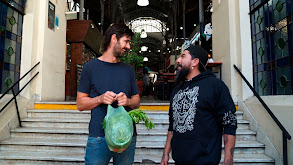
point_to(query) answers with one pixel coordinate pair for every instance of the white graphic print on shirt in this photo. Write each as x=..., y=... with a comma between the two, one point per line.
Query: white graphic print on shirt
x=229, y=118
x=184, y=109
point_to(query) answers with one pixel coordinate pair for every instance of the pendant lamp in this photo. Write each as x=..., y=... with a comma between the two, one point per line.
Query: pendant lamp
x=143, y=34
x=144, y=48
x=142, y=2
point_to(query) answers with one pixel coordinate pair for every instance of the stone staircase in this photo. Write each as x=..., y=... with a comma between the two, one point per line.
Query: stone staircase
x=59, y=137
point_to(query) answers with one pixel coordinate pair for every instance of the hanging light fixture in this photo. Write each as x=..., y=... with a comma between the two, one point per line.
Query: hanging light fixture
x=142, y=2
x=145, y=59
x=144, y=48
x=143, y=34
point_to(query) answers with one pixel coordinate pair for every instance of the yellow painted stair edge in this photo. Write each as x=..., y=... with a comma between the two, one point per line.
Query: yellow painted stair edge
x=73, y=107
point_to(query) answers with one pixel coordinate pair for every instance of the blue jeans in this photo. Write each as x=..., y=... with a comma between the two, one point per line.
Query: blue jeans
x=98, y=153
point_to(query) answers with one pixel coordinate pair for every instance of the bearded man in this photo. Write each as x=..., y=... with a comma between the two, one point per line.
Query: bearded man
x=107, y=80
x=201, y=111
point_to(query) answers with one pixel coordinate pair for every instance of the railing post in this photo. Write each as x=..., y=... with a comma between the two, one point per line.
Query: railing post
x=285, y=154
x=16, y=107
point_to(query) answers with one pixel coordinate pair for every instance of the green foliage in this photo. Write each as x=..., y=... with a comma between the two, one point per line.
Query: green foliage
x=138, y=115
x=104, y=124
x=132, y=56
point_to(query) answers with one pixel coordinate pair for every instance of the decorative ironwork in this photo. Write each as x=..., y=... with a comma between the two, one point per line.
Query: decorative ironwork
x=146, y=13
x=143, y=23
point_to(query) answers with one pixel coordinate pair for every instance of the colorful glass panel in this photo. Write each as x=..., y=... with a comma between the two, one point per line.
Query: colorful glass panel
x=271, y=26
x=11, y=18
x=283, y=79
x=7, y=76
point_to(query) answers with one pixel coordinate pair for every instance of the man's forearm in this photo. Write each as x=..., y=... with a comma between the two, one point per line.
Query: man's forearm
x=88, y=103
x=229, y=142
x=134, y=102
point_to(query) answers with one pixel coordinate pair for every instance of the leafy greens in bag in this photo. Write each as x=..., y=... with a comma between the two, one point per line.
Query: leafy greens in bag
x=118, y=126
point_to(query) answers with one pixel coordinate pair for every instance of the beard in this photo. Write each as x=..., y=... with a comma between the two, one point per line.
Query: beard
x=118, y=50
x=181, y=74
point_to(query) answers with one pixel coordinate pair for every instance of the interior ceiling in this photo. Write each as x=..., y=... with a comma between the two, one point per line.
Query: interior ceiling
x=123, y=11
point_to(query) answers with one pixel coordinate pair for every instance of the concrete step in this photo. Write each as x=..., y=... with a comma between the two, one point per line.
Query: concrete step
x=60, y=136
x=83, y=123
x=82, y=133
x=86, y=114
x=59, y=113
x=241, y=147
x=78, y=146
x=19, y=157
x=160, y=135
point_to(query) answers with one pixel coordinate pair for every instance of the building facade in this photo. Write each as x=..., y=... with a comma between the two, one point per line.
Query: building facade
x=254, y=35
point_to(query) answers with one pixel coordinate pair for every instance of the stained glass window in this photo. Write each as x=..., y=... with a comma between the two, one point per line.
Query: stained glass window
x=271, y=25
x=11, y=14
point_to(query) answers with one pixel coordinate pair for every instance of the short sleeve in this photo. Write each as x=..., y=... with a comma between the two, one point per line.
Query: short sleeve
x=134, y=88
x=85, y=81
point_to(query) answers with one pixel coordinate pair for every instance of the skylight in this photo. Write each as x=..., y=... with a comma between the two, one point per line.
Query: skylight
x=148, y=24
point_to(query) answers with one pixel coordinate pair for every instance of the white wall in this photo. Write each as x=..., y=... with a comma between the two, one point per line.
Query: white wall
x=282, y=108
x=30, y=46
x=47, y=46
x=223, y=39
x=8, y=117
x=232, y=44
x=245, y=61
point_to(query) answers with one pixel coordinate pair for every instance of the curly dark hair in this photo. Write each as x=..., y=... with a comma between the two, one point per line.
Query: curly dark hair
x=119, y=29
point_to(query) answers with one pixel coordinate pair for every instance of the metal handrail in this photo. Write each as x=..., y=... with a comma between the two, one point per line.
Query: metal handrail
x=286, y=135
x=15, y=95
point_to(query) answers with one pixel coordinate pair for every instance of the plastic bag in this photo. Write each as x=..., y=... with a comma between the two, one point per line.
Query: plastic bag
x=118, y=127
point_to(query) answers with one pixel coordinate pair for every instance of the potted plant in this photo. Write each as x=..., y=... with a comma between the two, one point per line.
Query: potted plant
x=133, y=58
